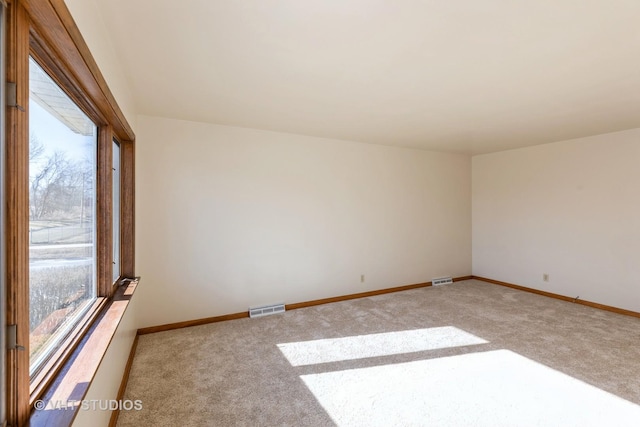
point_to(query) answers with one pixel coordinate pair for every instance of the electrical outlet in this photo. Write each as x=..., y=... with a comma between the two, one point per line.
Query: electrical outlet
x=362, y=278
x=545, y=277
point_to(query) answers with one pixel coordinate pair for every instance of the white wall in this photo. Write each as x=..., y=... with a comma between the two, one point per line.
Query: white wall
x=569, y=209
x=107, y=380
x=230, y=218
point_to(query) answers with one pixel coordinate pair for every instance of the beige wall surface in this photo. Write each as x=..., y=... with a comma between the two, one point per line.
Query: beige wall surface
x=570, y=210
x=230, y=218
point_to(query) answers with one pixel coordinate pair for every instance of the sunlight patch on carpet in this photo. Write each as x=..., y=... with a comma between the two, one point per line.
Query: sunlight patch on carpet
x=494, y=388
x=376, y=345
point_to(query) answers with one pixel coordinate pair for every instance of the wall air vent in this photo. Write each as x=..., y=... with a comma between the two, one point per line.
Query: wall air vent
x=441, y=281
x=265, y=310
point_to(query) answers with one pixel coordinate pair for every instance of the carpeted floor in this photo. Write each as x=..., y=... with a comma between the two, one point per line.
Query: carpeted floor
x=470, y=353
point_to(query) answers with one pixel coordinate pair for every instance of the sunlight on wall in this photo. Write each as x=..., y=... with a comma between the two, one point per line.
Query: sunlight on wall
x=494, y=388
x=375, y=345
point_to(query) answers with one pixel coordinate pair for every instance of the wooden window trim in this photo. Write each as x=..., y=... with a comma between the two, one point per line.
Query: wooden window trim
x=45, y=30
x=55, y=30
x=17, y=213
x=127, y=208
x=79, y=370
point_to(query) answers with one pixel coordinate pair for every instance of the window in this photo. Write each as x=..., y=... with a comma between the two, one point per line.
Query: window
x=68, y=215
x=62, y=251
x=116, y=210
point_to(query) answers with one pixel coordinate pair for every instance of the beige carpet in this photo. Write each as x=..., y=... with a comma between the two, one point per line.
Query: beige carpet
x=470, y=353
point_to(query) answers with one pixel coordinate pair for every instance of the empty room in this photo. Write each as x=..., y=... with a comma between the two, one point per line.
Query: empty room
x=320, y=213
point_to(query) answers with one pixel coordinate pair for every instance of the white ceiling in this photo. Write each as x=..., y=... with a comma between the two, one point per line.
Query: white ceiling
x=455, y=75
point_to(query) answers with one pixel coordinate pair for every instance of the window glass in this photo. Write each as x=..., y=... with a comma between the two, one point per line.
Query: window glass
x=62, y=206
x=116, y=210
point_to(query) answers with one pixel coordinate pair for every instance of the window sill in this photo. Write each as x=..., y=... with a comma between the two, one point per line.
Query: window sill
x=61, y=401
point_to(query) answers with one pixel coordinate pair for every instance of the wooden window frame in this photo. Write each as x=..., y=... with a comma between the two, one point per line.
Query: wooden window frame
x=45, y=30
x=3, y=317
